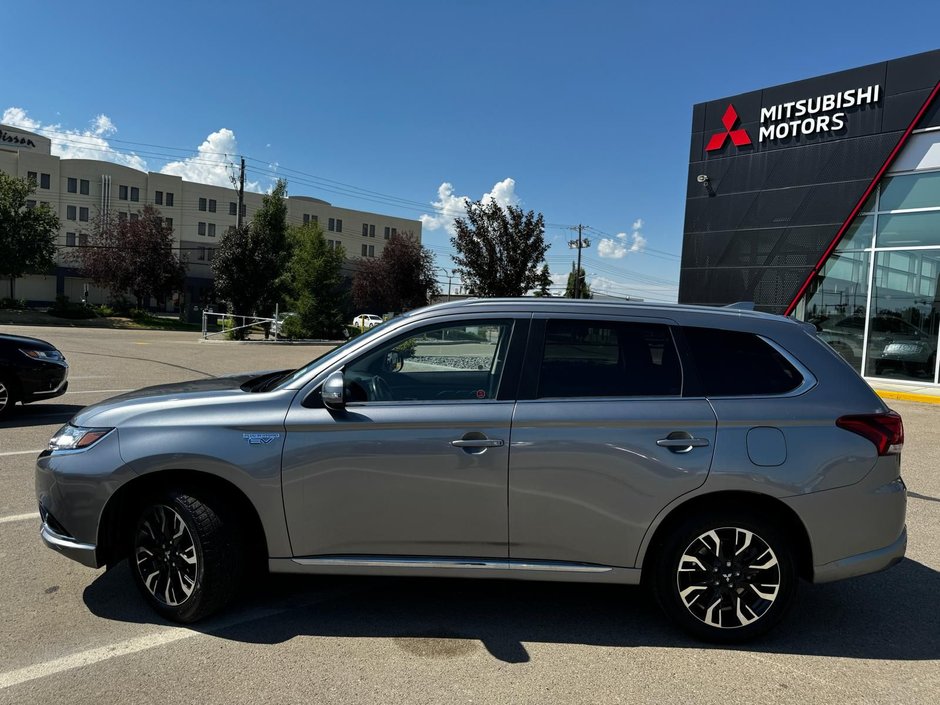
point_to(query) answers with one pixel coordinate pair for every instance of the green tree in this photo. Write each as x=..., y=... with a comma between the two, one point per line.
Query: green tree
x=400, y=280
x=584, y=288
x=27, y=235
x=133, y=255
x=250, y=265
x=499, y=250
x=545, y=282
x=315, y=282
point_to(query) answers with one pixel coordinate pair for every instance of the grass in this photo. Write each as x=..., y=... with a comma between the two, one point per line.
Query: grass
x=29, y=317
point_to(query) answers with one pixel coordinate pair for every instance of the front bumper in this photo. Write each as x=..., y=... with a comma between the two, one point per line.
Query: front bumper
x=862, y=563
x=84, y=553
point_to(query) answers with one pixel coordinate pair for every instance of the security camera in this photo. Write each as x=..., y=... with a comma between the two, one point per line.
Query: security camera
x=702, y=178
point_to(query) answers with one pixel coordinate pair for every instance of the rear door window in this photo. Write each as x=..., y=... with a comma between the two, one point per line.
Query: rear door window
x=734, y=364
x=587, y=358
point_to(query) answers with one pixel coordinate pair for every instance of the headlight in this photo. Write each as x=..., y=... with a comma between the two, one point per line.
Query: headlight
x=54, y=355
x=74, y=437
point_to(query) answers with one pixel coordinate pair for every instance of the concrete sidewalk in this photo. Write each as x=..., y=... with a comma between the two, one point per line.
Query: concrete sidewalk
x=905, y=391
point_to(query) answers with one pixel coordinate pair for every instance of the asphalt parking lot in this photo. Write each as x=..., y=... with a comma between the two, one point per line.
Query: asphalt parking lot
x=76, y=635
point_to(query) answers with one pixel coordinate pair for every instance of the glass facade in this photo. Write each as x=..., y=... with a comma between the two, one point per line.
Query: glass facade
x=876, y=300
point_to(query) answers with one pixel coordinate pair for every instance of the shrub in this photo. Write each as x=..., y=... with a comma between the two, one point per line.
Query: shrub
x=292, y=327
x=63, y=308
x=16, y=304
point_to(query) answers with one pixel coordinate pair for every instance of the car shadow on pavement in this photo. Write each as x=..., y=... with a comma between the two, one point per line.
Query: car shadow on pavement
x=889, y=615
x=40, y=415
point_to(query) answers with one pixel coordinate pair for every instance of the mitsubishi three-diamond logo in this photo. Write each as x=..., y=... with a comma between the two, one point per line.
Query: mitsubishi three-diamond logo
x=739, y=136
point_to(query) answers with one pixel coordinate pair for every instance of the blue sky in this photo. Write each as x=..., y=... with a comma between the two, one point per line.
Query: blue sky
x=579, y=110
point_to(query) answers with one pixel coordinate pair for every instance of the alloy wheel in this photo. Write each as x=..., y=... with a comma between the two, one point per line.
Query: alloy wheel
x=166, y=556
x=728, y=577
x=5, y=399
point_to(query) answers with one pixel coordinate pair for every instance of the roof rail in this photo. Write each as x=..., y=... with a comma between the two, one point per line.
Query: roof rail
x=741, y=305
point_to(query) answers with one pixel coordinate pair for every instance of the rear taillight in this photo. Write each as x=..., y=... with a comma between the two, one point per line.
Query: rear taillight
x=886, y=431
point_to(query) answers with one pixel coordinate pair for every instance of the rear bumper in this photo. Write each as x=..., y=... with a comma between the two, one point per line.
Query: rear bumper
x=84, y=553
x=862, y=563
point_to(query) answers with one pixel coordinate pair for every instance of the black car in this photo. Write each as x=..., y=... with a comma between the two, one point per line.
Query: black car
x=30, y=369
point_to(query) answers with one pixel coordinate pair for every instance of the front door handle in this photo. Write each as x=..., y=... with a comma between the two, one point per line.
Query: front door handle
x=477, y=443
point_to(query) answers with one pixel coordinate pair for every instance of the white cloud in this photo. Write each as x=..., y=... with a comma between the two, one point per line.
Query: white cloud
x=213, y=163
x=77, y=144
x=449, y=206
x=617, y=248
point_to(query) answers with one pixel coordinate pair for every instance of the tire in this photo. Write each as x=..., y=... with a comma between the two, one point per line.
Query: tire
x=719, y=602
x=7, y=397
x=186, y=556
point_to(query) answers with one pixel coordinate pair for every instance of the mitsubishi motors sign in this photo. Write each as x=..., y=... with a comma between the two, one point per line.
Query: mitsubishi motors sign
x=795, y=118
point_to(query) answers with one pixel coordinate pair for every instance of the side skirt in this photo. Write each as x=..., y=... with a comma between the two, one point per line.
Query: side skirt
x=444, y=567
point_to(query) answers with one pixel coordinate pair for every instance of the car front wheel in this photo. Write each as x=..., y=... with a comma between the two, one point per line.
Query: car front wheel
x=186, y=557
x=7, y=398
x=726, y=578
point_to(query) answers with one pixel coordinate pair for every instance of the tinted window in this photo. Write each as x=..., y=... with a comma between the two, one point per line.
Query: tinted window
x=736, y=364
x=461, y=361
x=608, y=359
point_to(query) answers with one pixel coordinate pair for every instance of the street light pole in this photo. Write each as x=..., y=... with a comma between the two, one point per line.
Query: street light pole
x=580, y=244
x=449, y=276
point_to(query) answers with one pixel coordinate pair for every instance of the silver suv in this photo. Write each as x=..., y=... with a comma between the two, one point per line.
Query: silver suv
x=716, y=455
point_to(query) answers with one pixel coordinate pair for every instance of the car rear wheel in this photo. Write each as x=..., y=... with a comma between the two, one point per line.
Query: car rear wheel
x=186, y=557
x=726, y=578
x=7, y=397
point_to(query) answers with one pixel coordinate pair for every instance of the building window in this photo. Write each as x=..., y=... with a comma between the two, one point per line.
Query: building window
x=135, y=193
x=210, y=253
x=122, y=193
x=388, y=232
x=211, y=229
x=158, y=197
x=72, y=185
x=202, y=204
x=339, y=225
x=365, y=250
x=201, y=254
x=45, y=181
x=365, y=230
x=30, y=204
x=70, y=239
x=371, y=250
x=83, y=214
x=122, y=216
x=83, y=186
x=83, y=239
x=32, y=176
x=134, y=217
x=371, y=231
x=201, y=228
x=168, y=222
x=212, y=205
x=232, y=208
x=306, y=218
x=169, y=198
x=331, y=225
x=71, y=212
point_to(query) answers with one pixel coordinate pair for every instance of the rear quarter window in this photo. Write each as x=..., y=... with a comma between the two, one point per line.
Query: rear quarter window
x=735, y=364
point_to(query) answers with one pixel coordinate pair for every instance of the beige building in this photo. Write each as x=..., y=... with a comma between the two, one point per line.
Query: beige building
x=78, y=189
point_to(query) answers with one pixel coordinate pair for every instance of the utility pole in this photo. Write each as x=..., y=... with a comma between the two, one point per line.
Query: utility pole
x=579, y=244
x=241, y=193
x=450, y=276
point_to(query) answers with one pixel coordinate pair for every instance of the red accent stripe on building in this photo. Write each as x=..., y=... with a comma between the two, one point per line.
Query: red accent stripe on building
x=858, y=206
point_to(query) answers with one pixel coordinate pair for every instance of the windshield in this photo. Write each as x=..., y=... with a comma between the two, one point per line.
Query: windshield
x=326, y=357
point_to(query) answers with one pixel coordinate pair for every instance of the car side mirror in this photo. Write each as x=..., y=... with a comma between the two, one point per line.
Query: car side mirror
x=332, y=391
x=393, y=361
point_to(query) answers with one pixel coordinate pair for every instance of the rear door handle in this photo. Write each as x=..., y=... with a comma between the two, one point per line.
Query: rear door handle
x=681, y=442
x=477, y=443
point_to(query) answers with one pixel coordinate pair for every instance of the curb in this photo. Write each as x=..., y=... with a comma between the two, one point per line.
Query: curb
x=908, y=396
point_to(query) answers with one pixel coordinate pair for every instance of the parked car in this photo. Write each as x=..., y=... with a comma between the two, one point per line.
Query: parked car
x=277, y=326
x=893, y=343
x=30, y=369
x=366, y=320
x=718, y=456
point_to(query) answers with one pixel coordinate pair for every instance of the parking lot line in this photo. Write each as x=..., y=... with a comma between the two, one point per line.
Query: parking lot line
x=99, y=391
x=19, y=517
x=130, y=646
x=20, y=452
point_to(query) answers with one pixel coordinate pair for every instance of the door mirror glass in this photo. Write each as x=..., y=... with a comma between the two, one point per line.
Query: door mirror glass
x=332, y=391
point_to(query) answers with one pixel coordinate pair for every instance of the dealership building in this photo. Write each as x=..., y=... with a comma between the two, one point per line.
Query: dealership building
x=821, y=199
x=78, y=189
